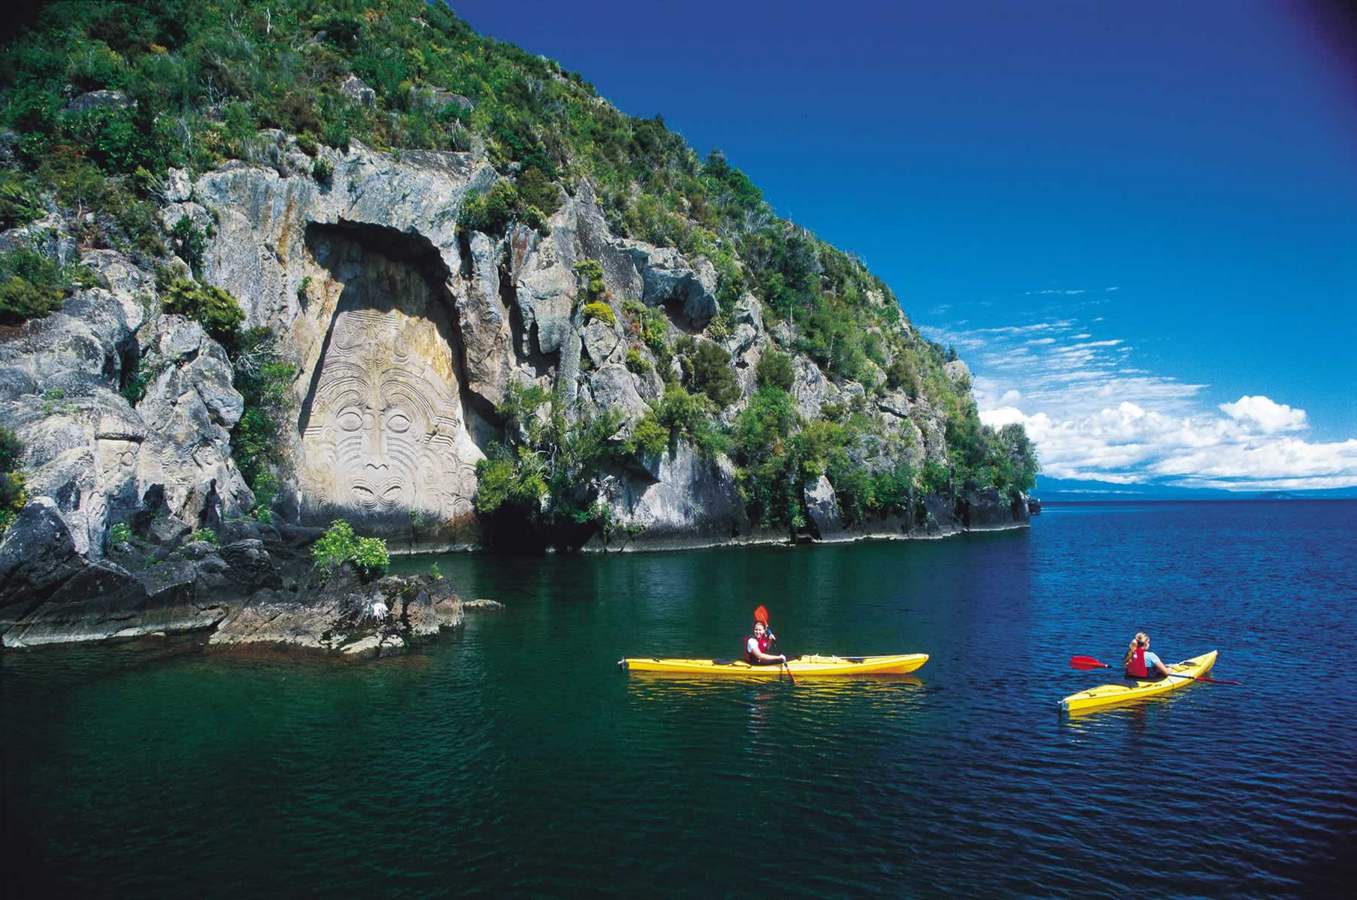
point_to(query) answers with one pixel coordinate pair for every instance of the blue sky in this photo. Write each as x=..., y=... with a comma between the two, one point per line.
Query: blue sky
x=1137, y=222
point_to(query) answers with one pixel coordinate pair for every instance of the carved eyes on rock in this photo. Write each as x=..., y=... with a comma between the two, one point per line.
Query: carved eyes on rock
x=352, y=420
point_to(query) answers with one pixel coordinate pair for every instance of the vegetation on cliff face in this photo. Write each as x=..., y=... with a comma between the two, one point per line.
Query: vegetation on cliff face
x=12, y=495
x=99, y=99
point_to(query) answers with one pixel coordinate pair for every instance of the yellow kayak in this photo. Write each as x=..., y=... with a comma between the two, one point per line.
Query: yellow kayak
x=808, y=666
x=1127, y=691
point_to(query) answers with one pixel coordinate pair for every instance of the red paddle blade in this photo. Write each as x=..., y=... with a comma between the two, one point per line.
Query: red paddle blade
x=1210, y=680
x=761, y=614
x=1088, y=662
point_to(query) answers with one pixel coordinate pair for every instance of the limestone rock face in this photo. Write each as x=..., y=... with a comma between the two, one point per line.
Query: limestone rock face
x=546, y=287
x=683, y=500
x=668, y=278
x=86, y=447
x=810, y=388
x=613, y=387
x=484, y=321
x=357, y=90
x=190, y=404
x=822, y=505
x=50, y=593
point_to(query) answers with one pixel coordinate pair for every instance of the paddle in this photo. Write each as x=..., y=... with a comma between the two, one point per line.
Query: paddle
x=1089, y=662
x=761, y=615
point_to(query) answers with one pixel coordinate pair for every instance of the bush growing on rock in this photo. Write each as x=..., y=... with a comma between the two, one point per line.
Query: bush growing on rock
x=339, y=545
x=636, y=362
x=189, y=243
x=492, y=211
x=213, y=308
x=333, y=547
x=600, y=311
x=19, y=200
x=590, y=274
x=775, y=370
x=713, y=375
x=33, y=284
x=120, y=535
x=677, y=416
x=370, y=556
x=264, y=380
x=12, y=495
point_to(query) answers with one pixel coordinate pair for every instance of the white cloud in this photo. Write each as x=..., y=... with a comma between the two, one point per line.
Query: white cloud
x=1127, y=444
x=1267, y=416
x=1094, y=414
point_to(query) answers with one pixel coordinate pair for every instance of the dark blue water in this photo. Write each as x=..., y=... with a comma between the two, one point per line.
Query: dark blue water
x=515, y=758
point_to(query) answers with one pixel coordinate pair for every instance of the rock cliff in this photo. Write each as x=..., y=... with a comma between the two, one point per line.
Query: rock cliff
x=597, y=369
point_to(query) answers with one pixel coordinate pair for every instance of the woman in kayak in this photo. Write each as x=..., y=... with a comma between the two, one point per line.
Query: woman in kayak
x=758, y=645
x=1141, y=663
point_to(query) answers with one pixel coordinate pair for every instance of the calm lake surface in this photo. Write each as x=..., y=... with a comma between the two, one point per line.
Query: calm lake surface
x=515, y=758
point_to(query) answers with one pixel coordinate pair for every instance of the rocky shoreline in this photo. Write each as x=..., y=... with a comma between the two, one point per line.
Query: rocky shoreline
x=253, y=584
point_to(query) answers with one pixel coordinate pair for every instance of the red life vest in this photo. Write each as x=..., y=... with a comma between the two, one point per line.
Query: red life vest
x=1135, y=667
x=763, y=643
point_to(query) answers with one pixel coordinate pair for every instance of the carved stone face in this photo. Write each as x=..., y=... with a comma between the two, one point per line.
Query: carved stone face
x=385, y=433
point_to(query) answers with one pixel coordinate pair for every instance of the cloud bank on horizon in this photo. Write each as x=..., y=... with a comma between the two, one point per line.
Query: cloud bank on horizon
x=1094, y=415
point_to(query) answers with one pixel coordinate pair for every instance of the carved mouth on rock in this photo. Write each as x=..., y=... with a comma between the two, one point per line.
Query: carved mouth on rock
x=380, y=495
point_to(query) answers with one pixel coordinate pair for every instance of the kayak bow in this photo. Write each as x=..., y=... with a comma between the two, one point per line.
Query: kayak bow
x=801, y=666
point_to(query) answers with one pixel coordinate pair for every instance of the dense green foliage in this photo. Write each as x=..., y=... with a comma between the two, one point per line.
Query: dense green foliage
x=709, y=370
x=33, y=284
x=600, y=311
x=339, y=545
x=119, y=535
x=496, y=209
x=540, y=486
x=264, y=380
x=775, y=370
x=12, y=496
x=213, y=308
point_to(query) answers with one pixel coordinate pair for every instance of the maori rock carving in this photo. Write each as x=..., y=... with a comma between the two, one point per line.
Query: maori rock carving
x=386, y=438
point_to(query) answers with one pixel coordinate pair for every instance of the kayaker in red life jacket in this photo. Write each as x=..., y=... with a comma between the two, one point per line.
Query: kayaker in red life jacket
x=757, y=645
x=1141, y=662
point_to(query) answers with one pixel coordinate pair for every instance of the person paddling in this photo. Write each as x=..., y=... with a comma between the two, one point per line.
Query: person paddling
x=1141, y=663
x=759, y=646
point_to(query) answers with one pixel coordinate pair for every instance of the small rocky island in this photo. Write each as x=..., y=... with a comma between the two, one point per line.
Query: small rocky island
x=462, y=320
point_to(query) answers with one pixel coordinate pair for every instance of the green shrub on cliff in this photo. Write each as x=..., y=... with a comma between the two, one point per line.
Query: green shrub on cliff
x=371, y=556
x=590, y=274
x=494, y=210
x=540, y=486
x=713, y=374
x=333, y=547
x=264, y=379
x=775, y=370
x=210, y=306
x=33, y=284
x=601, y=311
x=12, y=495
x=19, y=200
